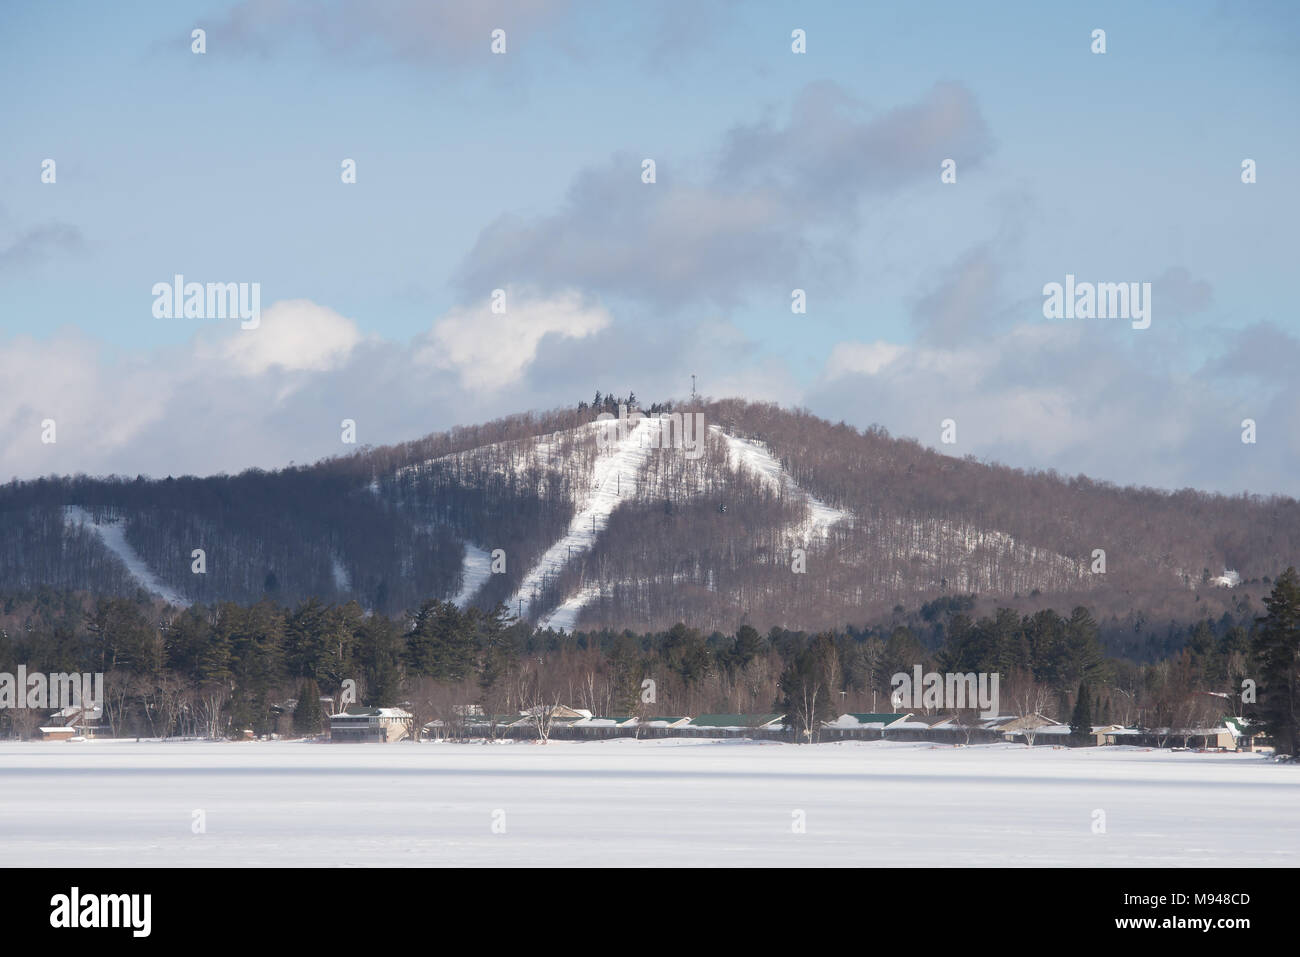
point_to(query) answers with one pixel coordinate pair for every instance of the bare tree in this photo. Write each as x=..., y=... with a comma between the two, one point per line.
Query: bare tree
x=541, y=699
x=210, y=707
x=119, y=688
x=24, y=722
x=162, y=699
x=1029, y=698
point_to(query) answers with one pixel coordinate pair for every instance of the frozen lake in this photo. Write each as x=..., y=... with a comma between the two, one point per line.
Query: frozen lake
x=627, y=803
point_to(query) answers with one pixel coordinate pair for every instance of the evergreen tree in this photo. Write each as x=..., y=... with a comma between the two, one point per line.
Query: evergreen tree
x=1277, y=648
x=746, y=647
x=440, y=643
x=378, y=653
x=1081, y=721
x=307, y=716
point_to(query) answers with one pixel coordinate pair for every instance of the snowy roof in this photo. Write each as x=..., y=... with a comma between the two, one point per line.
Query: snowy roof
x=868, y=720
x=735, y=720
x=598, y=722
x=372, y=713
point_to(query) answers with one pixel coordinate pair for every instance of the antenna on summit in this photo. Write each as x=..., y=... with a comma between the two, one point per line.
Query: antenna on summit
x=692, y=386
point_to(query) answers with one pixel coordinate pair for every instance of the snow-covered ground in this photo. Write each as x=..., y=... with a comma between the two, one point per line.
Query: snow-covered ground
x=628, y=458
x=755, y=458
x=646, y=803
x=342, y=580
x=613, y=479
x=475, y=571
x=565, y=616
x=113, y=535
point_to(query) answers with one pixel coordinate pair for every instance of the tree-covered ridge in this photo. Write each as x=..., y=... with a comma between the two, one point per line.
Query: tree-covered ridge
x=704, y=540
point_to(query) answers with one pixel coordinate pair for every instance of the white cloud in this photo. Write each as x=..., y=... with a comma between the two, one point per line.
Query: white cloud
x=294, y=335
x=855, y=357
x=1078, y=398
x=490, y=350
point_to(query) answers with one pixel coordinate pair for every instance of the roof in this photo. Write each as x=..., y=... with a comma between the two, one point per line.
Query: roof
x=877, y=717
x=372, y=713
x=865, y=720
x=735, y=720
x=1027, y=722
x=596, y=721
x=1238, y=726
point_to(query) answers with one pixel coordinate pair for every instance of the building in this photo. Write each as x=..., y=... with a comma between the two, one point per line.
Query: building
x=666, y=721
x=60, y=733
x=385, y=725
x=1246, y=737
x=865, y=721
x=737, y=722
x=84, y=722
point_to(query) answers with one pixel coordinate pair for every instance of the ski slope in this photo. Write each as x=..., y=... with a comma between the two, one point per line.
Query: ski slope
x=613, y=479
x=756, y=459
x=475, y=571
x=113, y=535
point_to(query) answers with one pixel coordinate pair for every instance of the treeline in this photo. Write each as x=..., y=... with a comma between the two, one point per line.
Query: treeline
x=227, y=668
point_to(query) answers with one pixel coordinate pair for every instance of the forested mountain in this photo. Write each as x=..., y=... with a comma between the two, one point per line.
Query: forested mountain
x=781, y=519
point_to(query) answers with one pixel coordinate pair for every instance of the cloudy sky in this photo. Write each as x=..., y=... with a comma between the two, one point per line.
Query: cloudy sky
x=774, y=171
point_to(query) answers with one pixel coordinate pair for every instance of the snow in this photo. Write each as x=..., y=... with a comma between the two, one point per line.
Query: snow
x=475, y=571
x=756, y=459
x=676, y=802
x=628, y=458
x=565, y=617
x=342, y=580
x=113, y=535
x=613, y=478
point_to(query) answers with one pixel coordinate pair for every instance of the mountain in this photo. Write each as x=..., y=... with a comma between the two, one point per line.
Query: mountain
x=776, y=517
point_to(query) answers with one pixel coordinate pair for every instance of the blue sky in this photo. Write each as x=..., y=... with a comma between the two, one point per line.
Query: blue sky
x=775, y=171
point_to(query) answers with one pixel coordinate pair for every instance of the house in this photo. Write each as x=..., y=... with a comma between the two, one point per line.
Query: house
x=371, y=724
x=84, y=721
x=58, y=733
x=1246, y=737
x=1220, y=737
x=1116, y=734
x=1012, y=726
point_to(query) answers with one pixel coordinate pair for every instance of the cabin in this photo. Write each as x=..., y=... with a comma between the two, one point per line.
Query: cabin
x=382, y=725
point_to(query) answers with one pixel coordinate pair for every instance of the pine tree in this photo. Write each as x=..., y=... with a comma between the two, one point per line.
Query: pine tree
x=440, y=643
x=1277, y=648
x=307, y=714
x=1081, y=721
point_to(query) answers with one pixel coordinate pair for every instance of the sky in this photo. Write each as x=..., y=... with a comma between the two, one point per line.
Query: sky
x=774, y=171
